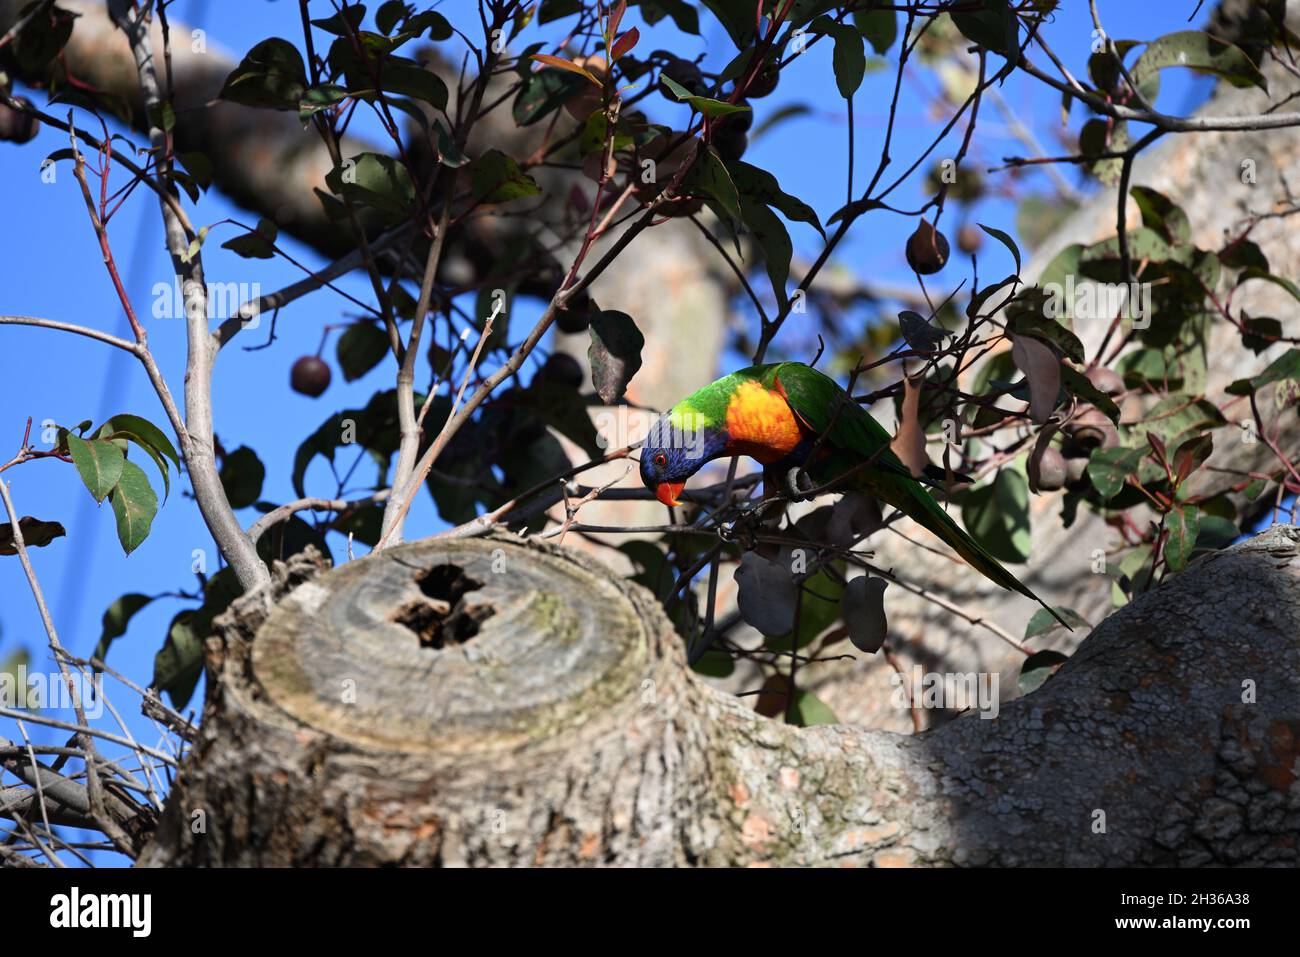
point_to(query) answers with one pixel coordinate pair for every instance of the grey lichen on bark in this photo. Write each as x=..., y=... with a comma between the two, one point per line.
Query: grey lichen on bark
x=562, y=727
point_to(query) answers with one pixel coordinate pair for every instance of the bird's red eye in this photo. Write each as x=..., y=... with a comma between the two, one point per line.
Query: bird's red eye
x=660, y=460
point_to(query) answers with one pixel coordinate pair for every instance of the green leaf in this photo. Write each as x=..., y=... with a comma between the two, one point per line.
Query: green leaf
x=179, y=664
x=99, y=463
x=449, y=154
x=1005, y=240
x=592, y=138
x=614, y=353
x=162, y=116
x=1042, y=621
x=373, y=428
x=242, y=475
x=766, y=597
x=684, y=15
x=134, y=505
x=1078, y=384
x=736, y=17
x=148, y=437
x=497, y=178
x=564, y=410
x=10, y=667
x=552, y=10
x=848, y=59
x=1177, y=415
x=142, y=432
x=1143, y=243
x=36, y=534
x=195, y=245
x=1109, y=469
x=1160, y=213
x=376, y=180
x=1103, y=67
x=819, y=608
x=1259, y=332
x=389, y=14
x=996, y=515
x=430, y=23
x=1216, y=532
x=708, y=176
x=344, y=23
x=542, y=93
x=1244, y=254
x=1285, y=368
x=1099, y=136
x=271, y=76
x=1027, y=316
x=292, y=537
x=361, y=347
x=320, y=98
x=1183, y=525
x=714, y=663
x=529, y=459
x=116, y=618
x=198, y=165
x=1197, y=51
x=759, y=184
x=259, y=244
x=993, y=27
x=774, y=240
x=878, y=27
x=810, y=710
x=365, y=524
x=408, y=78
x=863, y=609
x=701, y=104
x=35, y=47
x=1037, y=668
x=1063, y=264
x=1256, y=273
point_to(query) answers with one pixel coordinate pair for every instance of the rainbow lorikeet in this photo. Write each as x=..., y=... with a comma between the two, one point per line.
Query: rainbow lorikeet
x=781, y=414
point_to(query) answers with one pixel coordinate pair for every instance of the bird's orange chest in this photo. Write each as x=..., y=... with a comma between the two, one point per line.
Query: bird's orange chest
x=761, y=424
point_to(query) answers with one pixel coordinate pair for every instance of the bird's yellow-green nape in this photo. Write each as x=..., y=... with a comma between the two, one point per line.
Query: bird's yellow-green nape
x=686, y=418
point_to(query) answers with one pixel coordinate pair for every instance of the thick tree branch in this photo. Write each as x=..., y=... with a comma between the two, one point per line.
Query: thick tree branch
x=567, y=730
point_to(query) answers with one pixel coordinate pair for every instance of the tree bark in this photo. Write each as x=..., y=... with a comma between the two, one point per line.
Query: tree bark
x=567, y=730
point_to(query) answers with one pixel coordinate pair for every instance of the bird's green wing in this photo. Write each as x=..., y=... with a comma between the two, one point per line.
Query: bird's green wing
x=815, y=398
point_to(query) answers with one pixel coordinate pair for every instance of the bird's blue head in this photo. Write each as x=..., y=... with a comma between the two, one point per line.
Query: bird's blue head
x=672, y=454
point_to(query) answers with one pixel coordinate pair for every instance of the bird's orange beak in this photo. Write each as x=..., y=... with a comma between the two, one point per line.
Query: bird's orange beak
x=667, y=492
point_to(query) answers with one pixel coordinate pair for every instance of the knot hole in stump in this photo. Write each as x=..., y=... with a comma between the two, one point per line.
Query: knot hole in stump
x=442, y=618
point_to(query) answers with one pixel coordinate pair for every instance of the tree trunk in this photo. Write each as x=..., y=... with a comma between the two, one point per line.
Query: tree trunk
x=489, y=702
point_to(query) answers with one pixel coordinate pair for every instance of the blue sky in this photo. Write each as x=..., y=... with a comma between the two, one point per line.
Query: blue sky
x=51, y=267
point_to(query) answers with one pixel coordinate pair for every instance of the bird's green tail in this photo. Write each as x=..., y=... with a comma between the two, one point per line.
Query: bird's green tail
x=917, y=504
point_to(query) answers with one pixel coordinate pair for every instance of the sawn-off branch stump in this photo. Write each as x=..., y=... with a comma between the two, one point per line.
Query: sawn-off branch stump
x=490, y=702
